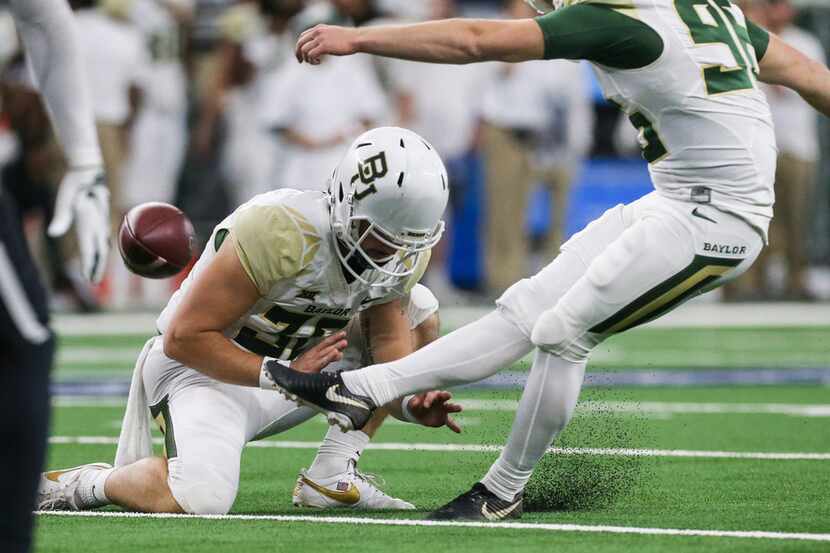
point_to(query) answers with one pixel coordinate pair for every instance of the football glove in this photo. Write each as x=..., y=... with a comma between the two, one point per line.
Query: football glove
x=83, y=198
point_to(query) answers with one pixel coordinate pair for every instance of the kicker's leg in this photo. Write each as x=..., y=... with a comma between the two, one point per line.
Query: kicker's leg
x=655, y=265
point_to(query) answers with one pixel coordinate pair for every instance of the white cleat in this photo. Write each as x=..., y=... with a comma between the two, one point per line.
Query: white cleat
x=351, y=489
x=62, y=490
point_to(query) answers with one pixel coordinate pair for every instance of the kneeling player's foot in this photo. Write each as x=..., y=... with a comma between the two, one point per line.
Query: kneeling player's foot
x=351, y=489
x=479, y=504
x=326, y=393
x=69, y=489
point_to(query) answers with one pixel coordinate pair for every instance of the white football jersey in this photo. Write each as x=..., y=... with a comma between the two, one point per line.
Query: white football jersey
x=285, y=244
x=705, y=126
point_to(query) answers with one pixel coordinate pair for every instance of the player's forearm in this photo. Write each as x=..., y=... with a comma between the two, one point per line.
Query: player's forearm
x=388, y=339
x=213, y=355
x=48, y=33
x=453, y=41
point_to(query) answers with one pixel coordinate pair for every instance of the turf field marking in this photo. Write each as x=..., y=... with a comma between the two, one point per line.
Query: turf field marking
x=509, y=405
x=694, y=314
x=483, y=448
x=755, y=534
x=662, y=407
x=76, y=354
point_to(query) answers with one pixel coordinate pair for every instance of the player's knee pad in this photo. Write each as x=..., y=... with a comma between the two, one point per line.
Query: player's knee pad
x=552, y=333
x=201, y=490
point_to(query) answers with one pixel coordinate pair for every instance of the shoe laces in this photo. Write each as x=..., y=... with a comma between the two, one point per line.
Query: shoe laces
x=377, y=482
x=370, y=478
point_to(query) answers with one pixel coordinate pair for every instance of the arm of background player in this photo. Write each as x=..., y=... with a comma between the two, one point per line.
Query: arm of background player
x=222, y=294
x=48, y=33
x=784, y=65
x=449, y=41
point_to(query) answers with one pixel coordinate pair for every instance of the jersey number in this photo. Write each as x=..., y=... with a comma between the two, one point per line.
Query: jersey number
x=651, y=144
x=290, y=324
x=713, y=25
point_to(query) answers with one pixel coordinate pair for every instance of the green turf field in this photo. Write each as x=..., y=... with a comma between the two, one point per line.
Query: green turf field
x=672, y=483
x=636, y=467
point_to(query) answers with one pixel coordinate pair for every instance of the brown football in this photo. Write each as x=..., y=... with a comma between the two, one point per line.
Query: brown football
x=156, y=240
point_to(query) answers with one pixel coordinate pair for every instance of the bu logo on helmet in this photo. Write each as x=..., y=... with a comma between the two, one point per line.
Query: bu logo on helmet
x=373, y=168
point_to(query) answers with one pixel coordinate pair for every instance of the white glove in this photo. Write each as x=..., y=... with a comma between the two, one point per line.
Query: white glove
x=83, y=197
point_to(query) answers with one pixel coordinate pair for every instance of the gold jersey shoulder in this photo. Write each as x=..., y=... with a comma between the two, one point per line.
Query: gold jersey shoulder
x=278, y=234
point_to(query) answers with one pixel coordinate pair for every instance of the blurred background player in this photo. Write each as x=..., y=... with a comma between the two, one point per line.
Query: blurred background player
x=317, y=113
x=156, y=138
x=26, y=343
x=117, y=76
x=797, y=135
x=536, y=127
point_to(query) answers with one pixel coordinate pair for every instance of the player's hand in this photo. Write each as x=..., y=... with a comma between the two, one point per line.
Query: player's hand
x=83, y=198
x=434, y=409
x=325, y=40
x=316, y=358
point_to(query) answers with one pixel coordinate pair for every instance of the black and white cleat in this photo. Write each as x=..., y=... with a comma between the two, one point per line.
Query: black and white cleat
x=479, y=504
x=324, y=392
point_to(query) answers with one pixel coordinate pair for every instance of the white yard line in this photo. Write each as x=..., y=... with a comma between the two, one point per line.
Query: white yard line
x=585, y=528
x=585, y=407
x=485, y=448
x=696, y=314
x=88, y=401
x=74, y=354
x=667, y=407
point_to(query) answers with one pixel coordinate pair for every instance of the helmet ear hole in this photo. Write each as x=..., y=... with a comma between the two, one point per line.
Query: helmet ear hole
x=341, y=195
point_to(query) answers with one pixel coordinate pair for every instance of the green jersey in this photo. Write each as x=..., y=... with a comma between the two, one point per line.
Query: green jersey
x=685, y=73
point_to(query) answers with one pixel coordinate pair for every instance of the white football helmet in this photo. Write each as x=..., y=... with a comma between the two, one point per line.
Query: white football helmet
x=391, y=185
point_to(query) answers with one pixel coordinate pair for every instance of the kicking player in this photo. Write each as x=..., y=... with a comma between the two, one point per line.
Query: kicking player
x=686, y=73
x=282, y=272
x=26, y=343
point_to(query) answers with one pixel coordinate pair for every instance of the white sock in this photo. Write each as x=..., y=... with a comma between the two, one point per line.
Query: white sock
x=471, y=353
x=90, y=493
x=547, y=404
x=99, y=485
x=337, y=451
